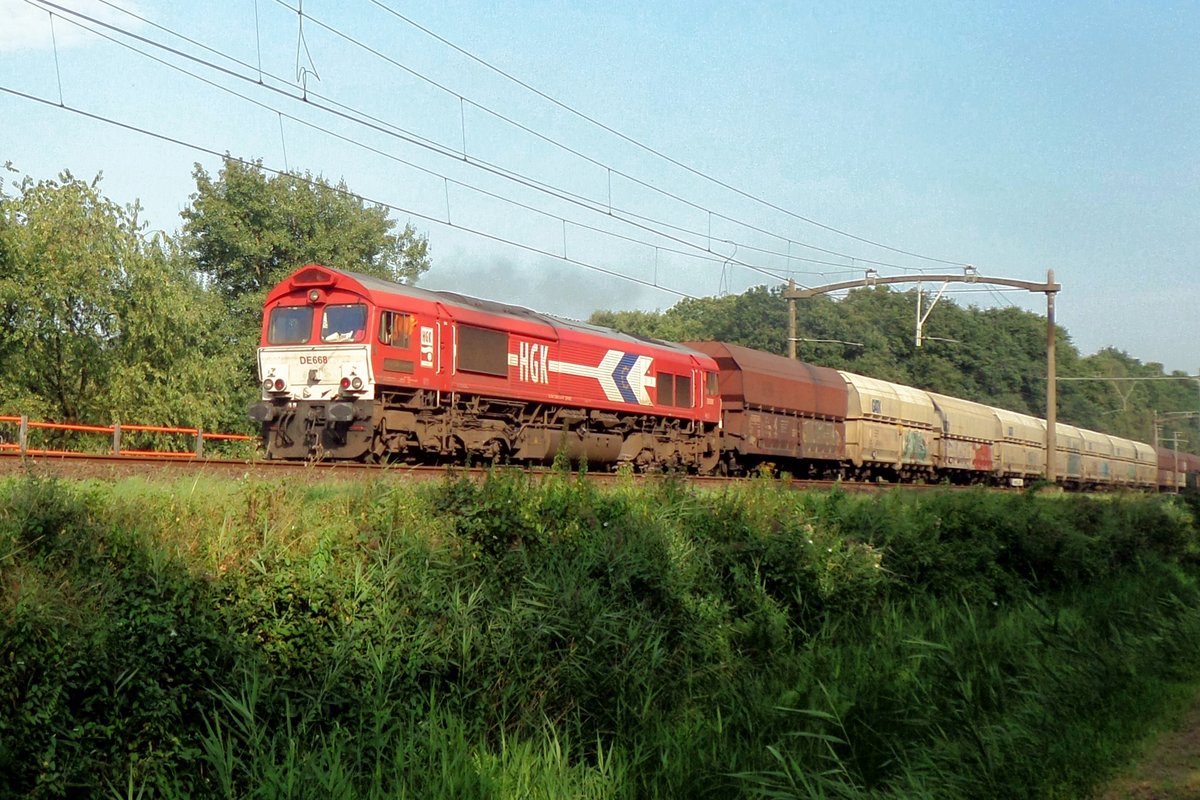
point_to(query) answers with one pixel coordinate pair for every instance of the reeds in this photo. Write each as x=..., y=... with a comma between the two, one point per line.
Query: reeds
x=525, y=637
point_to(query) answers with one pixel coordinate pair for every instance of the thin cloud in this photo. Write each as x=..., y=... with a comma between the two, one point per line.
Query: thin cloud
x=27, y=27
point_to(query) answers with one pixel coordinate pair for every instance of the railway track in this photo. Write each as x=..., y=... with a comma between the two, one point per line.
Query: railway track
x=109, y=467
x=106, y=467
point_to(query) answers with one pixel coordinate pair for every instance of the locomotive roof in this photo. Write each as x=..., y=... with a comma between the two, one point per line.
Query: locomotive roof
x=376, y=284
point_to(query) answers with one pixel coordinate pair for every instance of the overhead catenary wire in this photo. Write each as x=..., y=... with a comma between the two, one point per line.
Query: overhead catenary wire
x=1130, y=378
x=594, y=205
x=768, y=251
x=839, y=268
x=647, y=148
x=392, y=206
x=578, y=153
x=381, y=126
x=623, y=215
x=574, y=151
x=1000, y=297
x=348, y=140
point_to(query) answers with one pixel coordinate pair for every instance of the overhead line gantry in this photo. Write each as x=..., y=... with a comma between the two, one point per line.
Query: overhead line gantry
x=969, y=275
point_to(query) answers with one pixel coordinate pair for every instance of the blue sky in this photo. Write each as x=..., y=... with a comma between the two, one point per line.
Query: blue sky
x=1015, y=137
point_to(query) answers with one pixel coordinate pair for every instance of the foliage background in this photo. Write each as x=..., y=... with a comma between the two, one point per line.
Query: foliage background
x=106, y=321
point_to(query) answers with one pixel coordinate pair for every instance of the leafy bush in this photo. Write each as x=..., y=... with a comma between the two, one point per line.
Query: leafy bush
x=534, y=635
x=108, y=647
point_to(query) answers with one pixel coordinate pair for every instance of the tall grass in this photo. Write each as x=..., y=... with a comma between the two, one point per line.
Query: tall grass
x=546, y=638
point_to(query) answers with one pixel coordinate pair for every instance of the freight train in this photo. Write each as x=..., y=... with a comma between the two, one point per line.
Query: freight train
x=353, y=367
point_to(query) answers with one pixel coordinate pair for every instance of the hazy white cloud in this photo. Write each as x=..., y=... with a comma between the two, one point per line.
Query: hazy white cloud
x=26, y=26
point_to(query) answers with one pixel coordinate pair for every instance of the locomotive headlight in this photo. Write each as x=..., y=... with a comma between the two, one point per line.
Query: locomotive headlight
x=357, y=382
x=267, y=384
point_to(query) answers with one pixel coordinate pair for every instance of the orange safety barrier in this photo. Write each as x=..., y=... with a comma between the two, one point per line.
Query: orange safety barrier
x=24, y=424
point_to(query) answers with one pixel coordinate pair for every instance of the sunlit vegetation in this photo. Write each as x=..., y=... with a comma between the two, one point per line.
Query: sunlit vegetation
x=103, y=320
x=522, y=638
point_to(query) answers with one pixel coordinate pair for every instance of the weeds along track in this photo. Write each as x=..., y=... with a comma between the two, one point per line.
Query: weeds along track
x=113, y=467
x=195, y=635
x=108, y=467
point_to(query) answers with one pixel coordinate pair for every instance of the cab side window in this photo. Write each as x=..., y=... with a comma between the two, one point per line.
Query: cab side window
x=674, y=390
x=683, y=391
x=395, y=329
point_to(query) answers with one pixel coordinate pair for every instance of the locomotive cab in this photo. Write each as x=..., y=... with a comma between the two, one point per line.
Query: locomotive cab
x=315, y=369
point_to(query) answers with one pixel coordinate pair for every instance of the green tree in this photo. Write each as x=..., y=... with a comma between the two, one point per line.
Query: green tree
x=99, y=323
x=246, y=230
x=638, y=323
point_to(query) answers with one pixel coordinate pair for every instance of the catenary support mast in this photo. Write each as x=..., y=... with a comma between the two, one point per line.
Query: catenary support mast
x=1049, y=288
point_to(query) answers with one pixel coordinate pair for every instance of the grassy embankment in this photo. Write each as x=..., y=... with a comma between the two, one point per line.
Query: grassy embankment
x=512, y=640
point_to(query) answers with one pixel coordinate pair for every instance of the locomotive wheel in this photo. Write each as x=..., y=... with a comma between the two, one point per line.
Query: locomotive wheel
x=638, y=452
x=494, y=450
x=378, y=451
x=710, y=464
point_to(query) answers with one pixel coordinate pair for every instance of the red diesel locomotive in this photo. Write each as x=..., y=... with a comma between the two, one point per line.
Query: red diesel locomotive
x=358, y=368
x=355, y=367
